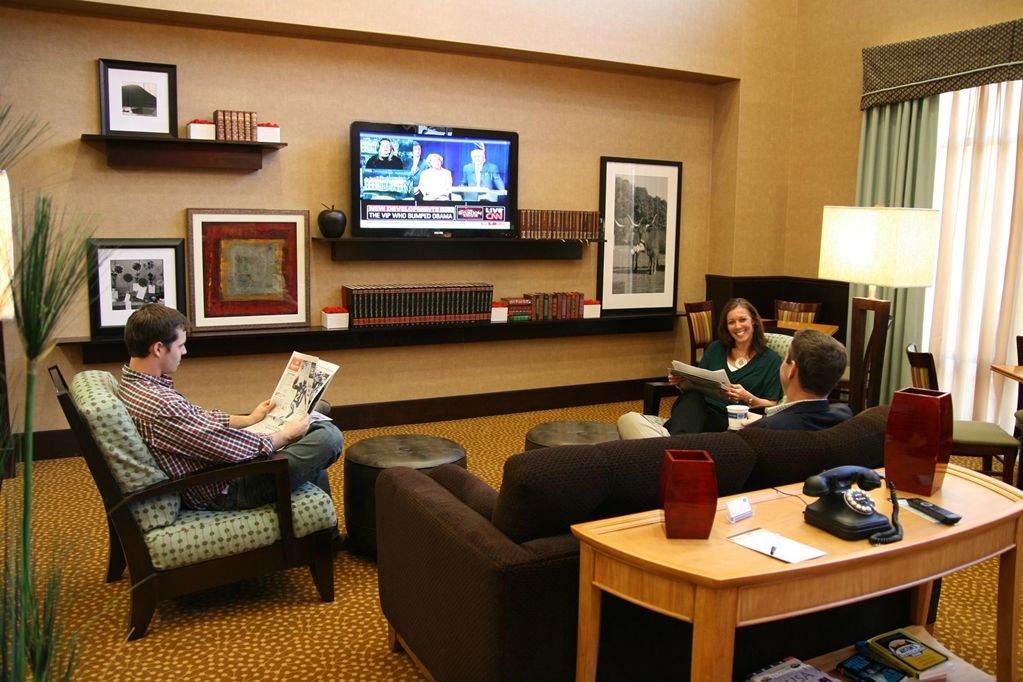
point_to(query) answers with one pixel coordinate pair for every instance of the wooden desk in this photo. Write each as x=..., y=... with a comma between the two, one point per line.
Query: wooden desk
x=718, y=585
x=828, y=329
x=1014, y=372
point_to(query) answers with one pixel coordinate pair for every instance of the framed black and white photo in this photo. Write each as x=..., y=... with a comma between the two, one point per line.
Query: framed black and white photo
x=138, y=98
x=125, y=274
x=640, y=207
x=249, y=268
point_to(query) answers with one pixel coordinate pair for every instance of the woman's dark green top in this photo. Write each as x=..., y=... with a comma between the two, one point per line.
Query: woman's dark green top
x=759, y=376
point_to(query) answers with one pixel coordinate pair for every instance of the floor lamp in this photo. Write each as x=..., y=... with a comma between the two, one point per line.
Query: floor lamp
x=6, y=313
x=876, y=246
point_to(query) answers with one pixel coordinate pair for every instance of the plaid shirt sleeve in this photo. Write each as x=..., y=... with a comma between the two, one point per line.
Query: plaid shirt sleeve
x=191, y=431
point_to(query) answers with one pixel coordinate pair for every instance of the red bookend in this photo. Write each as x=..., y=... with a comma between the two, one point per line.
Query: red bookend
x=689, y=493
x=918, y=440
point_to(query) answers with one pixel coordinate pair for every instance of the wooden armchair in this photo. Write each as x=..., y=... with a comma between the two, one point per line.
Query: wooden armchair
x=795, y=311
x=700, y=316
x=160, y=543
x=969, y=438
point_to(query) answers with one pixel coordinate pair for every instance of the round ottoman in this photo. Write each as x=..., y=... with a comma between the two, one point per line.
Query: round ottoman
x=570, y=433
x=363, y=463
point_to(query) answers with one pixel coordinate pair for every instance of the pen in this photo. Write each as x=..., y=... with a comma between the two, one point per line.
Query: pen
x=774, y=544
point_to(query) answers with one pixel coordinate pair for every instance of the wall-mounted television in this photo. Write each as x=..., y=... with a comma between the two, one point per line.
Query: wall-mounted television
x=429, y=181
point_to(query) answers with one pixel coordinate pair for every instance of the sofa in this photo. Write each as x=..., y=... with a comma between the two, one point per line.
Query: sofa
x=479, y=585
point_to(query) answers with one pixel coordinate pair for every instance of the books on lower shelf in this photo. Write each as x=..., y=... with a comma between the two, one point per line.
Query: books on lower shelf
x=235, y=125
x=790, y=669
x=901, y=650
x=400, y=305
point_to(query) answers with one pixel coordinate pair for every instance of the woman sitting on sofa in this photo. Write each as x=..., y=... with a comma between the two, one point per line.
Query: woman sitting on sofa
x=752, y=368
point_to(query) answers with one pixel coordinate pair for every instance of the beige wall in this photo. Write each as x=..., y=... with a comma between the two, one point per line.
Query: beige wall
x=577, y=80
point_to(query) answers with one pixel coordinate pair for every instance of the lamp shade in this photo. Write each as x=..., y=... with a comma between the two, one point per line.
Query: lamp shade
x=890, y=247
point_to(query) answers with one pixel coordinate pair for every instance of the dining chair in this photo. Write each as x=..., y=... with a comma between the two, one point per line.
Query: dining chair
x=794, y=311
x=970, y=438
x=701, y=332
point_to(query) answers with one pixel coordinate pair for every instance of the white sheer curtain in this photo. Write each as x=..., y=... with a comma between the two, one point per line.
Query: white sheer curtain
x=977, y=301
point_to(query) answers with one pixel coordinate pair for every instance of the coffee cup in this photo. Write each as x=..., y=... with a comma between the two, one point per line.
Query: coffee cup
x=736, y=416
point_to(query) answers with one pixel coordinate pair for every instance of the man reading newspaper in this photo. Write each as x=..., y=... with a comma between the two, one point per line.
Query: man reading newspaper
x=185, y=438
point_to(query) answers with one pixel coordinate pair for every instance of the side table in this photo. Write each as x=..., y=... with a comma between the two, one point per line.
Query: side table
x=570, y=433
x=718, y=585
x=363, y=463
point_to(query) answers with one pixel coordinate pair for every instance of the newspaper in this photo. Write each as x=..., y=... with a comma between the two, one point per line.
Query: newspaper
x=712, y=382
x=302, y=383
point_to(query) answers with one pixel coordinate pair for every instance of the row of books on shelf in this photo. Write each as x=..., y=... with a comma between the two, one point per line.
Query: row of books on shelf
x=536, y=223
x=894, y=656
x=235, y=125
x=391, y=305
x=558, y=305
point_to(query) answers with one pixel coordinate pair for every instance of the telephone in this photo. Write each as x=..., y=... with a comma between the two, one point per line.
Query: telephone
x=847, y=511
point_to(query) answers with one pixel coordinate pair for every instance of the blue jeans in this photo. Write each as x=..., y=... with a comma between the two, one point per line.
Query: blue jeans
x=308, y=459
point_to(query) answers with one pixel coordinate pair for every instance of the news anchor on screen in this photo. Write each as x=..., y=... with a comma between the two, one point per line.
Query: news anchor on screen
x=386, y=156
x=480, y=173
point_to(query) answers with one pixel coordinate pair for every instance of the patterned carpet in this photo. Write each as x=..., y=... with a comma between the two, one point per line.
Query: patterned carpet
x=275, y=627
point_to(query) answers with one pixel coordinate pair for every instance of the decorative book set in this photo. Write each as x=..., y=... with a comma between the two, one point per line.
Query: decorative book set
x=558, y=305
x=537, y=223
x=235, y=125
x=400, y=305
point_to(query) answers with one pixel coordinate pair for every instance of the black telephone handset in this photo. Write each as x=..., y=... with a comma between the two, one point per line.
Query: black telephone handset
x=844, y=510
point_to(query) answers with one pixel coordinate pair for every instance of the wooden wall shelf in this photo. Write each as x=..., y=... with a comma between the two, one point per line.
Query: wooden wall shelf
x=312, y=339
x=358, y=248
x=177, y=152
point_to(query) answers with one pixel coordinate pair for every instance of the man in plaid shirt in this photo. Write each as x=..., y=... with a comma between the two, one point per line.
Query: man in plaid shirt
x=185, y=438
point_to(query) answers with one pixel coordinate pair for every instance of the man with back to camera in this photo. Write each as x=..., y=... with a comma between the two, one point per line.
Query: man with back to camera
x=809, y=372
x=480, y=173
x=185, y=438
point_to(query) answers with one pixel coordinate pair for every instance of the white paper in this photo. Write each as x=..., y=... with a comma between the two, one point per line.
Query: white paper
x=777, y=546
x=302, y=383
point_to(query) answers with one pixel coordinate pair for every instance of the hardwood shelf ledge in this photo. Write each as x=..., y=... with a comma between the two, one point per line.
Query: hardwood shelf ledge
x=359, y=248
x=312, y=339
x=179, y=152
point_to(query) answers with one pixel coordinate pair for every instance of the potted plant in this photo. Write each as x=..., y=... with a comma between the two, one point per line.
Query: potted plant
x=45, y=269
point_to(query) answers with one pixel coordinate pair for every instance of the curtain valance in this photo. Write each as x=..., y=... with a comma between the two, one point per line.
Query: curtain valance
x=915, y=69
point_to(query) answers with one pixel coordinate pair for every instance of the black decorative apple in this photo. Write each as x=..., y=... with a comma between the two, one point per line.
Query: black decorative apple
x=332, y=222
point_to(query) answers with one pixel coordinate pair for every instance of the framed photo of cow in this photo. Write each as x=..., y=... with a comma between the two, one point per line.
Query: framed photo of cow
x=640, y=208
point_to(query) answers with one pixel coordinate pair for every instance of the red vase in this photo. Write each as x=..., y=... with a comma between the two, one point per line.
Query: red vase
x=689, y=493
x=918, y=440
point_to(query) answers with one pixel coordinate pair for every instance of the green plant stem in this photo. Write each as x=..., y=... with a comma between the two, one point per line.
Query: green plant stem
x=27, y=589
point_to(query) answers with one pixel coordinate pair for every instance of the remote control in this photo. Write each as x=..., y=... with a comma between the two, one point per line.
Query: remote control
x=934, y=511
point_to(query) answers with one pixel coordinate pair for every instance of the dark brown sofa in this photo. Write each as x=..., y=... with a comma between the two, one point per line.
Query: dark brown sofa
x=482, y=585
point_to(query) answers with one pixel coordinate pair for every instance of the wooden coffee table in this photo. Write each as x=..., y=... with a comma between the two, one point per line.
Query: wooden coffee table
x=718, y=585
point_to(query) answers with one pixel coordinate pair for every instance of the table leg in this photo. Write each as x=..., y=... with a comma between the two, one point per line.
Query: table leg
x=920, y=603
x=714, y=621
x=1008, y=623
x=588, y=639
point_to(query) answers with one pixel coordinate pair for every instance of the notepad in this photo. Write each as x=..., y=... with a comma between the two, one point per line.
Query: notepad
x=777, y=546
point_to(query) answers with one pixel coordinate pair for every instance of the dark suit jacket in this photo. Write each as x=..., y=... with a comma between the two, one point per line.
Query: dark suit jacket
x=811, y=415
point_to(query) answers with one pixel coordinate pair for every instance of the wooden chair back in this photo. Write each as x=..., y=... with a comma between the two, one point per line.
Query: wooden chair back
x=922, y=368
x=866, y=357
x=794, y=311
x=701, y=327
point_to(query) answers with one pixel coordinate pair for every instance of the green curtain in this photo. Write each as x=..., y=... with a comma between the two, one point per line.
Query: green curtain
x=898, y=149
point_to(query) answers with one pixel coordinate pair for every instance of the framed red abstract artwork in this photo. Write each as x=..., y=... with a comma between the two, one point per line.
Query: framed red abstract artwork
x=249, y=268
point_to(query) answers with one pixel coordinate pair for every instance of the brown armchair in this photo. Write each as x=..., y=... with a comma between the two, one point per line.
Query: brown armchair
x=170, y=551
x=969, y=438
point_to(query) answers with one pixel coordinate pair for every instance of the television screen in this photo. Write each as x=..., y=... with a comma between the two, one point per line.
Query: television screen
x=413, y=180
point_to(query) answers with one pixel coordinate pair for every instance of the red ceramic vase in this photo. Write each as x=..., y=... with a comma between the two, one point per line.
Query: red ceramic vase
x=918, y=440
x=689, y=493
